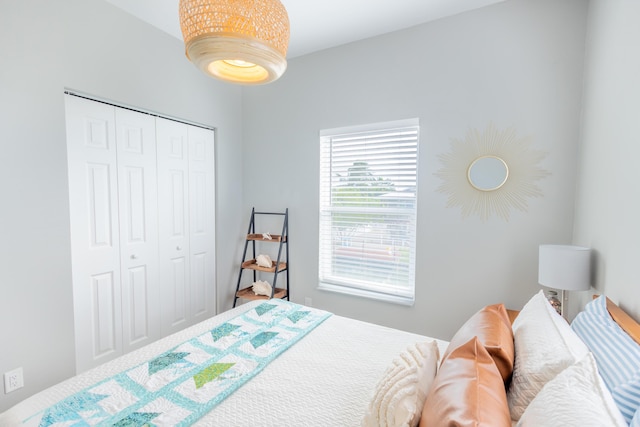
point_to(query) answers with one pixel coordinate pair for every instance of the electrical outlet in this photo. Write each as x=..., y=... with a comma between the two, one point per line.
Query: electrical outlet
x=13, y=380
x=308, y=302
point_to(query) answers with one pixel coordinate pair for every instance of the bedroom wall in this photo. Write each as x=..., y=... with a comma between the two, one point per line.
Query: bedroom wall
x=516, y=64
x=608, y=206
x=90, y=46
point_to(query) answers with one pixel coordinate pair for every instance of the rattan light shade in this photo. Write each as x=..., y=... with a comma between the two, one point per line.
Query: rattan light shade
x=241, y=41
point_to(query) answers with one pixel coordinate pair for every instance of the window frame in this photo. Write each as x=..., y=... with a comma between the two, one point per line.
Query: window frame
x=400, y=294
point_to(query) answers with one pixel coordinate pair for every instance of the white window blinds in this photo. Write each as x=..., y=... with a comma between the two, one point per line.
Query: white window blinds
x=368, y=188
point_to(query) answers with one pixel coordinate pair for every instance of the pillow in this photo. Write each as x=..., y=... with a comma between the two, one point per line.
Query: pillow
x=492, y=327
x=577, y=397
x=545, y=345
x=616, y=354
x=401, y=392
x=468, y=391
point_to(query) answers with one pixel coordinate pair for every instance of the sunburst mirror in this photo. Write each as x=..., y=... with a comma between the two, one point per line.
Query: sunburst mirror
x=490, y=172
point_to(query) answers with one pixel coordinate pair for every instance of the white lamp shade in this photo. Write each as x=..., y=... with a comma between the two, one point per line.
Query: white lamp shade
x=564, y=267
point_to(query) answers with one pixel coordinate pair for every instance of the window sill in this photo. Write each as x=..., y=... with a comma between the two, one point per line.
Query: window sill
x=394, y=299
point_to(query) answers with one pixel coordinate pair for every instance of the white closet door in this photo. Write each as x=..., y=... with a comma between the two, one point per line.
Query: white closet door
x=138, y=209
x=141, y=196
x=173, y=230
x=202, y=222
x=91, y=153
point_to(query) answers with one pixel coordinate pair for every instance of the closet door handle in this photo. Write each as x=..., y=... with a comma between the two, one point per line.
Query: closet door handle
x=134, y=256
x=178, y=248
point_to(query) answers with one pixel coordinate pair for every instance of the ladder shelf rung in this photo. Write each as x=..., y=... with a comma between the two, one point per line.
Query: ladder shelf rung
x=252, y=265
x=276, y=238
x=247, y=293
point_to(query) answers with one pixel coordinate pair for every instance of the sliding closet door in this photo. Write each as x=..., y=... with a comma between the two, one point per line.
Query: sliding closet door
x=186, y=193
x=202, y=222
x=138, y=214
x=91, y=152
x=173, y=203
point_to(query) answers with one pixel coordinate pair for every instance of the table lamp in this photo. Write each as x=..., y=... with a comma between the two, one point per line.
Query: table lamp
x=566, y=268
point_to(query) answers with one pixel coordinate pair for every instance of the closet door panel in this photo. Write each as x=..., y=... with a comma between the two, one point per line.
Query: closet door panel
x=200, y=292
x=99, y=181
x=173, y=204
x=177, y=297
x=138, y=320
x=138, y=212
x=202, y=222
x=93, y=208
x=104, y=314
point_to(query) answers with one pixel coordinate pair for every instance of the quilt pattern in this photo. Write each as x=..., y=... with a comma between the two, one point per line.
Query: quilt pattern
x=179, y=386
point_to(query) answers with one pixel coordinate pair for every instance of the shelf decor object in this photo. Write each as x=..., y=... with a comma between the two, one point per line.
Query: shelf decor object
x=490, y=172
x=238, y=41
x=566, y=268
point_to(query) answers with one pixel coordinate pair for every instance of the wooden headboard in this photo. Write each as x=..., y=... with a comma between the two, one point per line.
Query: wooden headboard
x=625, y=321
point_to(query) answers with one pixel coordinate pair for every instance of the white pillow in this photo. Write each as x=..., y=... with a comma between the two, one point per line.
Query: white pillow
x=577, y=397
x=545, y=345
x=401, y=392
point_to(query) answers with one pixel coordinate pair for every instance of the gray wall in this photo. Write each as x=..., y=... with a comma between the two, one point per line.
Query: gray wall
x=516, y=64
x=90, y=46
x=608, y=201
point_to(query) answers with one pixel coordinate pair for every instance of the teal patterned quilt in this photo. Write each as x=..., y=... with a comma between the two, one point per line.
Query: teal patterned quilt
x=181, y=385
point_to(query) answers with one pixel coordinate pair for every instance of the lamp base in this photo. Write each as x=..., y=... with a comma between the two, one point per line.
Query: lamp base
x=552, y=297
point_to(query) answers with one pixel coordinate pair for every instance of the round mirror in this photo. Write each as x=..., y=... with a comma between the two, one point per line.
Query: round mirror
x=488, y=173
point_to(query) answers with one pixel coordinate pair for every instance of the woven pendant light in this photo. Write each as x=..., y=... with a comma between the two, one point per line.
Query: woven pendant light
x=240, y=41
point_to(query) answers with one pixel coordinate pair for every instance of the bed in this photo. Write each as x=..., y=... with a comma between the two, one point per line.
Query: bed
x=326, y=377
x=536, y=371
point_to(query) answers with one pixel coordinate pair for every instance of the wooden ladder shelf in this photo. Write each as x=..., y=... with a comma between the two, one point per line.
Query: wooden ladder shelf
x=282, y=260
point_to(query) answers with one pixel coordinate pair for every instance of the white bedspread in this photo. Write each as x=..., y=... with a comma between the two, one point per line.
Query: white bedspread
x=326, y=379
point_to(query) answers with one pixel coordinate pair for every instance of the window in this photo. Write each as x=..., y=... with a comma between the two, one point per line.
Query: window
x=368, y=190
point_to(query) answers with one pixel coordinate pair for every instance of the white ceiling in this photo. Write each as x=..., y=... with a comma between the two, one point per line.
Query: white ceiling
x=321, y=24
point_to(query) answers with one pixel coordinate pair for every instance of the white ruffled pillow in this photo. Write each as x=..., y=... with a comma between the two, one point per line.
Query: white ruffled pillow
x=577, y=397
x=400, y=394
x=545, y=345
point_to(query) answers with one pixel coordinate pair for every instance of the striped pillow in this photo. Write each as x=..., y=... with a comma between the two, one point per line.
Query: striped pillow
x=616, y=353
x=635, y=422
